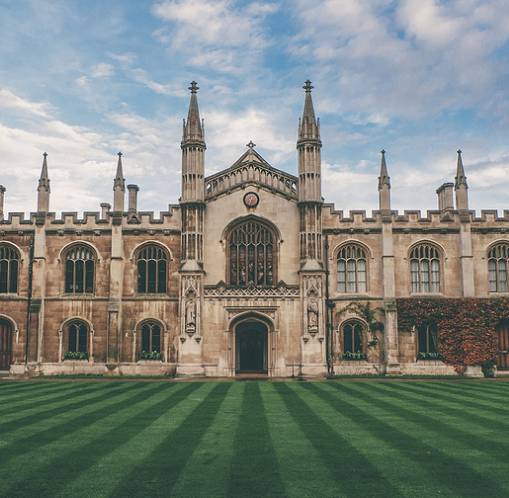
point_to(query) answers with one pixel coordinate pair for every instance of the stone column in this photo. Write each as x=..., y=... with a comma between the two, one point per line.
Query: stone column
x=391, y=340
x=39, y=283
x=467, y=260
x=2, y=194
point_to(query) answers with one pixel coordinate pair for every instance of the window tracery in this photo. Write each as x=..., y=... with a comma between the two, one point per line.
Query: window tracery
x=79, y=270
x=425, y=268
x=498, y=263
x=152, y=263
x=251, y=254
x=352, y=269
x=9, y=267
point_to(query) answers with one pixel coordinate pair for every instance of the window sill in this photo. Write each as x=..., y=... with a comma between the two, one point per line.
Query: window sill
x=426, y=294
x=78, y=295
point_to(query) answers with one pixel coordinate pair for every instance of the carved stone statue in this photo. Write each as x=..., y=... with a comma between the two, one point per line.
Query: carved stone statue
x=312, y=312
x=191, y=315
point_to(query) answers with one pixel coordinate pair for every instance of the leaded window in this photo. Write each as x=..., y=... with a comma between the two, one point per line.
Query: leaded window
x=152, y=262
x=352, y=269
x=77, y=337
x=9, y=266
x=427, y=341
x=150, y=338
x=79, y=270
x=425, y=269
x=352, y=340
x=251, y=254
x=498, y=263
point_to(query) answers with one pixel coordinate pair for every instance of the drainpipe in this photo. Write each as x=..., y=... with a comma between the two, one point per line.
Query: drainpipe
x=29, y=297
x=329, y=306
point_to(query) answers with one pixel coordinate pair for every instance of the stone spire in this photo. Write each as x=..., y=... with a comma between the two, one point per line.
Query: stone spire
x=43, y=189
x=461, y=186
x=309, y=126
x=193, y=127
x=384, y=178
x=384, y=185
x=119, y=186
x=2, y=193
x=461, y=178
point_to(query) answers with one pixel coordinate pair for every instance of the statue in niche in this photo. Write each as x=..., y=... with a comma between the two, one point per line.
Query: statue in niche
x=312, y=313
x=191, y=314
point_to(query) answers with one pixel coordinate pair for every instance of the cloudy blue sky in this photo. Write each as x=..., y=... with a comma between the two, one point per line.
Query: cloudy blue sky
x=420, y=78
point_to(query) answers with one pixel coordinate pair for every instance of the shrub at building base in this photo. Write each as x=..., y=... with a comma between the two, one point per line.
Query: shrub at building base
x=466, y=327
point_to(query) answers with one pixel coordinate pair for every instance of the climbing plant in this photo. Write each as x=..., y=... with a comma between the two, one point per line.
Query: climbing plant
x=371, y=315
x=466, y=327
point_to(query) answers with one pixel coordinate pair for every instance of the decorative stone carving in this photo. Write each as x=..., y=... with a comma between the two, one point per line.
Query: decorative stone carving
x=191, y=313
x=282, y=290
x=312, y=314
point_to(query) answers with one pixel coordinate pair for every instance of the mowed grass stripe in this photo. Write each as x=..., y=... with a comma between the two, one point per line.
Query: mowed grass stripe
x=454, y=429
x=414, y=442
x=115, y=429
x=449, y=407
x=352, y=470
x=486, y=390
x=380, y=454
x=300, y=463
x=76, y=399
x=465, y=398
x=254, y=454
x=213, y=455
x=64, y=423
x=31, y=389
x=34, y=399
x=164, y=458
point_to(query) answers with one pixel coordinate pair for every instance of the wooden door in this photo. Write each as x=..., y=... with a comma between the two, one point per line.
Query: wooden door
x=5, y=345
x=503, y=345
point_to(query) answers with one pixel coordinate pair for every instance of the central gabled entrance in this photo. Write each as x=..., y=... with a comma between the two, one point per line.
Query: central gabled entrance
x=251, y=337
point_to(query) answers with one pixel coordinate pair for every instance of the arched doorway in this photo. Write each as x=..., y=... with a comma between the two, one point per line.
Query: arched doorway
x=251, y=347
x=5, y=344
x=503, y=345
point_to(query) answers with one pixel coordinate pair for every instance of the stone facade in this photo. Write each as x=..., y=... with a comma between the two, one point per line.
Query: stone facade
x=278, y=303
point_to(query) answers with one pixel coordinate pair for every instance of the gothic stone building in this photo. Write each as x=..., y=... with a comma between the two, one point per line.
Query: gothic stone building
x=250, y=272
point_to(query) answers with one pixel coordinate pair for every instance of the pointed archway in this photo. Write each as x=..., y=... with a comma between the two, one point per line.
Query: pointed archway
x=6, y=331
x=251, y=338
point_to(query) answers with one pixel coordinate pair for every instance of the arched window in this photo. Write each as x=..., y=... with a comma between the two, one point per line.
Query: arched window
x=427, y=341
x=77, y=338
x=150, y=341
x=152, y=262
x=251, y=254
x=352, y=269
x=79, y=270
x=9, y=266
x=353, y=348
x=425, y=268
x=498, y=263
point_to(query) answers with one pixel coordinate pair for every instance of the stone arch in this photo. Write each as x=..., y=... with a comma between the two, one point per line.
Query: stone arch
x=65, y=248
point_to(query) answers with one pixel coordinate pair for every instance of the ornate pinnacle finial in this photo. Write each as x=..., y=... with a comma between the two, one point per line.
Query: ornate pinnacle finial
x=382, y=152
x=251, y=145
x=194, y=87
x=45, y=154
x=308, y=86
x=119, y=154
x=459, y=151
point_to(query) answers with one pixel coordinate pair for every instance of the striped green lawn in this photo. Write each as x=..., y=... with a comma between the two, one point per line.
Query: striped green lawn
x=240, y=439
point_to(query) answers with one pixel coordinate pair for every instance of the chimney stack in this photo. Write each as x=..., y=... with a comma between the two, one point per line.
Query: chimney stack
x=105, y=209
x=133, y=198
x=2, y=192
x=446, y=197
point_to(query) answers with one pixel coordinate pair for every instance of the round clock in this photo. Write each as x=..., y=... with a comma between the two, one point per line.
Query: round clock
x=251, y=200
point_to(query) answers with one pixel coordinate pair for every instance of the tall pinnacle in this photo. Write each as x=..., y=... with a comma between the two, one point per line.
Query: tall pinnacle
x=44, y=178
x=193, y=130
x=119, y=181
x=461, y=178
x=384, y=178
x=309, y=126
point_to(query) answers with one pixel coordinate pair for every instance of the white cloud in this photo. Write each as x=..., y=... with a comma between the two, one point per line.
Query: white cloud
x=141, y=76
x=82, y=81
x=102, y=70
x=9, y=100
x=218, y=34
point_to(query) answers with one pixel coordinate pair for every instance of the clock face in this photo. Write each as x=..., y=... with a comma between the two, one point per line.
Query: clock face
x=251, y=199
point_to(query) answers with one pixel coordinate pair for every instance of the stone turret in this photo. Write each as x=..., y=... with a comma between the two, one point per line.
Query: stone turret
x=119, y=187
x=384, y=186
x=2, y=193
x=310, y=196
x=461, y=186
x=43, y=190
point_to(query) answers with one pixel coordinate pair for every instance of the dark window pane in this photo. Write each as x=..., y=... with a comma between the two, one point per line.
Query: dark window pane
x=347, y=339
x=13, y=276
x=156, y=339
x=72, y=338
x=151, y=271
x=142, y=276
x=145, y=338
x=161, y=277
x=89, y=276
x=79, y=268
x=4, y=265
x=69, y=276
x=83, y=339
x=358, y=338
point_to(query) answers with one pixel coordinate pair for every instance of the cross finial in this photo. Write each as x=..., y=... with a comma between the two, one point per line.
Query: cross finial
x=251, y=145
x=308, y=86
x=45, y=154
x=382, y=152
x=119, y=154
x=459, y=151
x=194, y=87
